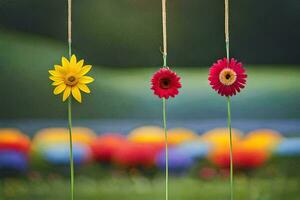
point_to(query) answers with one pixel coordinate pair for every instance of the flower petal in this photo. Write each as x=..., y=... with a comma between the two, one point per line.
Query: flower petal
x=86, y=79
x=65, y=62
x=83, y=88
x=57, y=83
x=67, y=93
x=55, y=73
x=59, y=89
x=84, y=70
x=60, y=69
x=73, y=60
x=54, y=78
x=80, y=63
x=76, y=94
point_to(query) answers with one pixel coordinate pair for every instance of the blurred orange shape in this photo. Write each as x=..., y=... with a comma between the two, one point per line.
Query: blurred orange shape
x=14, y=139
x=244, y=156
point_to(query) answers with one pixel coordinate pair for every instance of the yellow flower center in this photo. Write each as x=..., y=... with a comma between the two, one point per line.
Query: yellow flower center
x=71, y=80
x=227, y=76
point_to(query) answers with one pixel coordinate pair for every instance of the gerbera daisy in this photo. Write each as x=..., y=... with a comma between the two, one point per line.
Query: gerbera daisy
x=227, y=78
x=70, y=78
x=165, y=83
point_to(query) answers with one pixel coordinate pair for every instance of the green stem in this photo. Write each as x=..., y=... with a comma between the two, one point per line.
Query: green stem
x=231, y=156
x=165, y=60
x=166, y=143
x=71, y=147
x=227, y=51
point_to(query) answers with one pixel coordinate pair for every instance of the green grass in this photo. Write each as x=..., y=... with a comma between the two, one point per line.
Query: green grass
x=139, y=188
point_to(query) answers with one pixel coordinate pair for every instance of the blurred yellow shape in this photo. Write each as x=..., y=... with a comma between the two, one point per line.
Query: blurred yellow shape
x=263, y=139
x=180, y=135
x=220, y=137
x=147, y=134
x=60, y=135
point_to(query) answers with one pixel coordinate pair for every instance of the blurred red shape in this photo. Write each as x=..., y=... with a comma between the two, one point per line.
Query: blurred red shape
x=137, y=155
x=104, y=146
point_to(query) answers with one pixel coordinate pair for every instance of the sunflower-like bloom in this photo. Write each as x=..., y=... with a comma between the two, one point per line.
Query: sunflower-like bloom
x=70, y=78
x=227, y=78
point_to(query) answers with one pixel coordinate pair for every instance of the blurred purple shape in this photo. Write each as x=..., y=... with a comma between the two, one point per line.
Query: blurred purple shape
x=179, y=161
x=13, y=160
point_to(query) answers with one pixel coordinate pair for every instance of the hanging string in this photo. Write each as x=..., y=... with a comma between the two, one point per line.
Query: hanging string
x=164, y=23
x=70, y=27
x=228, y=98
x=227, y=28
x=70, y=101
x=164, y=27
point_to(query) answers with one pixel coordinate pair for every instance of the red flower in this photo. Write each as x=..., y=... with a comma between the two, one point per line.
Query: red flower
x=227, y=78
x=165, y=83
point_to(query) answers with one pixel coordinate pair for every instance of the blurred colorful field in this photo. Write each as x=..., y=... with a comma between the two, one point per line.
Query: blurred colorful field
x=131, y=166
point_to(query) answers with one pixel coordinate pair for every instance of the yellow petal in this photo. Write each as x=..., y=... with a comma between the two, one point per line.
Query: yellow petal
x=60, y=69
x=55, y=78
x=86, y=79
x=76, y=94
x=65, y=62
x=55, y=73
x=57, y=83
x=83, y=88
x=80, y=63
x=59, y=89
x=77, y=67
x=73, y=60
x=84, y=70
x=67, y=93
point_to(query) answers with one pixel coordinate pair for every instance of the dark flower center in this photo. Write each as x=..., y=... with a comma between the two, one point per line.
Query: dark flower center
x=71, y=79
x=165, y=83
x=228, y=76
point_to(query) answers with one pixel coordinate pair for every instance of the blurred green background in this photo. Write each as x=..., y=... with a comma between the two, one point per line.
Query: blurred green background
x=122, y=40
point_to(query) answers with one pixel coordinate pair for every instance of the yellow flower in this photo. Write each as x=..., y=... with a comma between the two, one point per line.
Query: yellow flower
x=70, y=78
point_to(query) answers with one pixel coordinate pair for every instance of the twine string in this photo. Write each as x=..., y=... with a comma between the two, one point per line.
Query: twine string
x=70, y=27
x=164, y=27
x=70, y=102
x=227, y=28
x=164, y=24
x=228, y=98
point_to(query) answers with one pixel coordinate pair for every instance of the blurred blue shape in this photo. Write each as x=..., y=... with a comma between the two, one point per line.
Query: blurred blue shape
x=59, y=154
x=13, y=160
x=289, y=147
x=195, y=149
x=179, y=161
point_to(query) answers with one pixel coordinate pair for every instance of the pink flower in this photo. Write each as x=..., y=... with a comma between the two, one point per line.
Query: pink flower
x=227, y=78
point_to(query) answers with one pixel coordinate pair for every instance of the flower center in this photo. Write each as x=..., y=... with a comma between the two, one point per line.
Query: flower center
x=71, y=80
x=227, y=76
x=165, y=83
